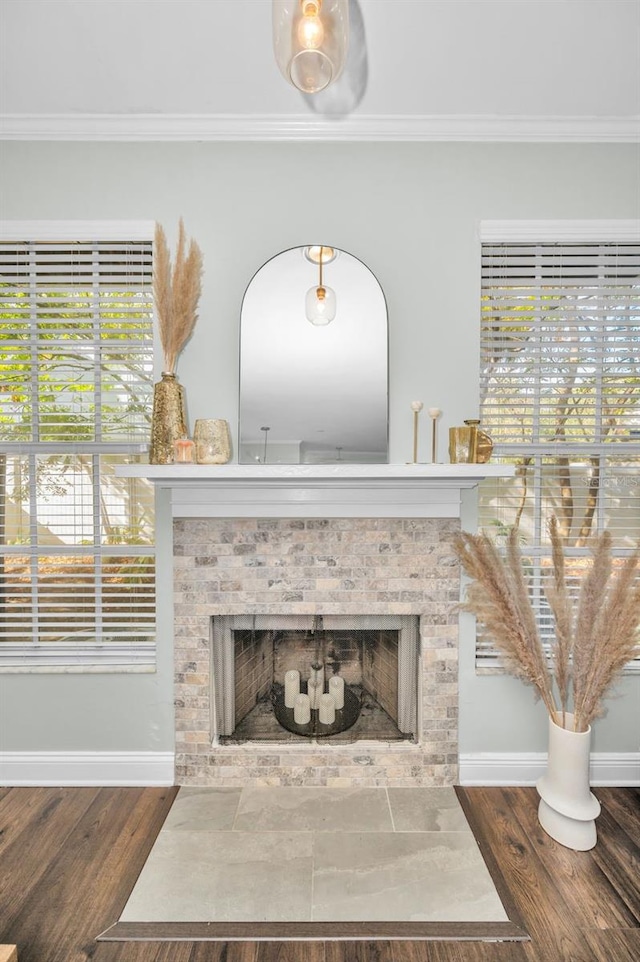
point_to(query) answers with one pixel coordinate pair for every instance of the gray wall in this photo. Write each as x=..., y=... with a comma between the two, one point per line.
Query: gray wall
x=411, y=213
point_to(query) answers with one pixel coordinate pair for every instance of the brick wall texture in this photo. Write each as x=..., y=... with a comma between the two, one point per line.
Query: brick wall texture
x=351, y=566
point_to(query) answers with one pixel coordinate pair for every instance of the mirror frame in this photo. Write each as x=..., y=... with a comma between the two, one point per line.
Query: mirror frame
x=379, y=291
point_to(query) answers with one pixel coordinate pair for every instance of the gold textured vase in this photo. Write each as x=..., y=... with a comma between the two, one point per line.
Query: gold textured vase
x=469, y=445
x=168, y=421
x=213, y=441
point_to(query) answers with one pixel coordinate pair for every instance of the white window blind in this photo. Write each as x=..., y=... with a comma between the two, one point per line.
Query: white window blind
x=560, y=397
x=77, y=556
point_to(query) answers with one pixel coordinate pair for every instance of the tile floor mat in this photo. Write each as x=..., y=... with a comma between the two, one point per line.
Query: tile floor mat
x=326, y=862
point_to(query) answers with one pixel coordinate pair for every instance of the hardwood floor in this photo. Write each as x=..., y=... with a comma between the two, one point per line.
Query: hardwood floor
x=69, y=859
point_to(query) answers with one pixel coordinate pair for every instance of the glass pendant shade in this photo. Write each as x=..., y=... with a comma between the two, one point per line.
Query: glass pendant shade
x=310, y=39
x=320, y=305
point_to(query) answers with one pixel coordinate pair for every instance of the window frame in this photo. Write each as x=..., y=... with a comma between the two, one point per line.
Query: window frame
x=487, y=659
x=34, y=656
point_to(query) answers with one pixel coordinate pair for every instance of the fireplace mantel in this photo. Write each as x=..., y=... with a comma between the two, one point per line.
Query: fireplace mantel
x=316, y=491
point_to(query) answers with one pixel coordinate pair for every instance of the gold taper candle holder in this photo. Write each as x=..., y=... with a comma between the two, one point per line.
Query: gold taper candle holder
x=416, y=407
x=434, y=414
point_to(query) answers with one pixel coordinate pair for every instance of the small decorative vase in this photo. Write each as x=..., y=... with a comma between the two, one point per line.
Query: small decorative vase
x=168, y=421
x=213, y=441
x=567, y=807
x=469, y=444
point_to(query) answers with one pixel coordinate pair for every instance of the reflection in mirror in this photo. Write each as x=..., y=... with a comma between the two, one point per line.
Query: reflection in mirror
x=313, y=387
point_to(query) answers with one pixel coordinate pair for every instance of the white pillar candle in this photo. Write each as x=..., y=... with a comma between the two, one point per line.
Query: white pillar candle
x=317, y=676
x=302, y=710
x=291, y=687
x=327, y=714
x=336, y=689
x=315, y=691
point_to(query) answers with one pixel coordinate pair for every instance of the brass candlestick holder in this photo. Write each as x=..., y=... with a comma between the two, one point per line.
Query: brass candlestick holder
x=434, y=414
x=416, y=407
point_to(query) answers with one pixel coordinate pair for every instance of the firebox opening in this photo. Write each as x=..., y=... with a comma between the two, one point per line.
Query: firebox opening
x=375, y=658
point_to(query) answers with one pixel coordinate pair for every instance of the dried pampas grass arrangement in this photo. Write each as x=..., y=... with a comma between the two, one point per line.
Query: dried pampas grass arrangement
x=176, y=292
x=594, y=638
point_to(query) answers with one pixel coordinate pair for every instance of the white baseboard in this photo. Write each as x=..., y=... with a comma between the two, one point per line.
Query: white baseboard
x=621, y=769
x=157, y=768
x=87, y=768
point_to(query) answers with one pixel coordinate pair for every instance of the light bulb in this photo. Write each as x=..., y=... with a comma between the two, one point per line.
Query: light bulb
x=320, y=305
x=310, y=28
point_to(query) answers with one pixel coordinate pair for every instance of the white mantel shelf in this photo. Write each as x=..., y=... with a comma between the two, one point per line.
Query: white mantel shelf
x=316, y=491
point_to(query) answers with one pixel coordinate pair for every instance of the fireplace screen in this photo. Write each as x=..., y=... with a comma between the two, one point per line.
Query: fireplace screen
x=283, y=678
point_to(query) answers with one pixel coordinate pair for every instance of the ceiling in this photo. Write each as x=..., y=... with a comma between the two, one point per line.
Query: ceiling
x=418, y=69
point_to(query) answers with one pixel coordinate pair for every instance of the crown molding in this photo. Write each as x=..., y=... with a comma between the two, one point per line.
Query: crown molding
x=313, y=127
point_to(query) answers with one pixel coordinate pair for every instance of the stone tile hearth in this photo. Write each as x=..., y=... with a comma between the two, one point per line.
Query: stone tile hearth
x=315, y=854
x=343, y=566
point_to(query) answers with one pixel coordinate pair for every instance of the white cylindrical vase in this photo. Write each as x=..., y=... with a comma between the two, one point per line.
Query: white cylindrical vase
x=567, y=807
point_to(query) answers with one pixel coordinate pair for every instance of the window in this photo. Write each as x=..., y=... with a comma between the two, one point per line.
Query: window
x=560, y=390
x=77, y=558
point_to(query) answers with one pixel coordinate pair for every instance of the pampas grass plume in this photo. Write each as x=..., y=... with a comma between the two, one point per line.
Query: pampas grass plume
x=176, y=292
x=592, y=643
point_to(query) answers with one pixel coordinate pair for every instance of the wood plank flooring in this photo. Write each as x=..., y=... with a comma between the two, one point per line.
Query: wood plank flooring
x=70, y=857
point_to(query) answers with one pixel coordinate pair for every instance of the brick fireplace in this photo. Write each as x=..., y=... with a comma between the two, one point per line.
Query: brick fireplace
x=332, y=566
x=305, y=541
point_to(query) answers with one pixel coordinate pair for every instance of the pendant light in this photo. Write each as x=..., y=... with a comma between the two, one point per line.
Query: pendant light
x=310, y=39
x=320, y=302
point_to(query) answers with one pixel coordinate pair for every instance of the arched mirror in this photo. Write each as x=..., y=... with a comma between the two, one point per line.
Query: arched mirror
x=313, y=361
